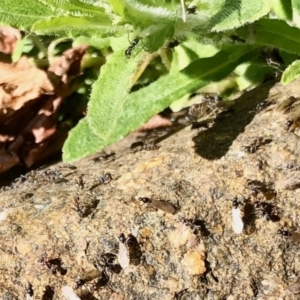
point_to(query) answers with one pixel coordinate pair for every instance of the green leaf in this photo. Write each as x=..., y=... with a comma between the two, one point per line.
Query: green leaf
x=81, y=142
x=158, y=37
x=73, y=26
x=274, y=33
x=109, y=93
x=139, y=13
x=140, y=106
x=117, y=6
x=236, y=13
x=296, y=12
x=145, y=103
x=282, y=9
x=23, y=14
x=80, y=8
x=291, y=73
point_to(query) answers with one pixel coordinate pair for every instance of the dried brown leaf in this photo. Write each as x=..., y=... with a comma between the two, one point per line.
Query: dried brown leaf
x=156, y=122
x=20, y=82
x=8, y=160
x=8, y=39
x=69, y=63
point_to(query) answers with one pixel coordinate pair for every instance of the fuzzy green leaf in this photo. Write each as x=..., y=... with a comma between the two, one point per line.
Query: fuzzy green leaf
x=117, y=6
x=282, y=9
x=79, y=8
x=23, y=14
x=236, y=13
x=145, y=103
x=81, y=142
x=274, y=33
x=158, y=37
x=140, y=106
x=73, y=26
x=296, y=12
x=109, y=93
x=291, y=73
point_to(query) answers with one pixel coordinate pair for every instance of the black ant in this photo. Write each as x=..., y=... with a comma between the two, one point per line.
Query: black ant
x=80, y=182
x=106, y=178
x=102, y=281
x=266, y=211
x=236, y=38
x=89, y=276
x=122, y=238
x=196, y=226
x=236, y=203
x=129, y=250
x=256, y=187
x=77, y=208
x=191, y=10
x=48, y=293
x=262, y=105
x=255, y=144
x=291, y=125
x=108, y=262
x=104, y=157
x=29, y=290
x=139, y=146
x=173, y=44
x=159, y=204
x=131, y=47
x=54, y=265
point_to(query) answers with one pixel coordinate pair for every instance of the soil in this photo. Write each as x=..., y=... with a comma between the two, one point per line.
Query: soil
x=179, y=239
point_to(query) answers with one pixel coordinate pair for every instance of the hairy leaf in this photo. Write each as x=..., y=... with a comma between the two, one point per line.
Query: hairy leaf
x=79, y=8
x=23, y=14
x=291, y=73
x=296, y=12
x=143, y=104
x=74, y=26
x=81, y=142
x=282, y=9
x=109, y=93
x=140, y=106
x=235, y=13
x=274, y=33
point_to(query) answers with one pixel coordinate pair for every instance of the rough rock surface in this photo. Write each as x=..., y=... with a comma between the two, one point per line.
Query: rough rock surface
x=56, y=223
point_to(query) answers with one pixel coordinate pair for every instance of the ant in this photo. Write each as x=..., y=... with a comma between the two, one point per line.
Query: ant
x=89, y=276
x=262, y=105
x=255, y=144
x=195, y=225
x=294, y=236
x=256, y=187
x=131, y=47
x=53, y=265
x=139, y=146
x=107, y=260
x=191, y=10
x=102, y=281
x=122, y=238
x=159, y=204
x=173, y=44
x=106, y=178
x=77, y=208
x=129, y=250
x=104, y=157
x=80, y=182
x=291, y=125
x=48, y=293
x=266, y=211
x=29, y=290
x=236, y=38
